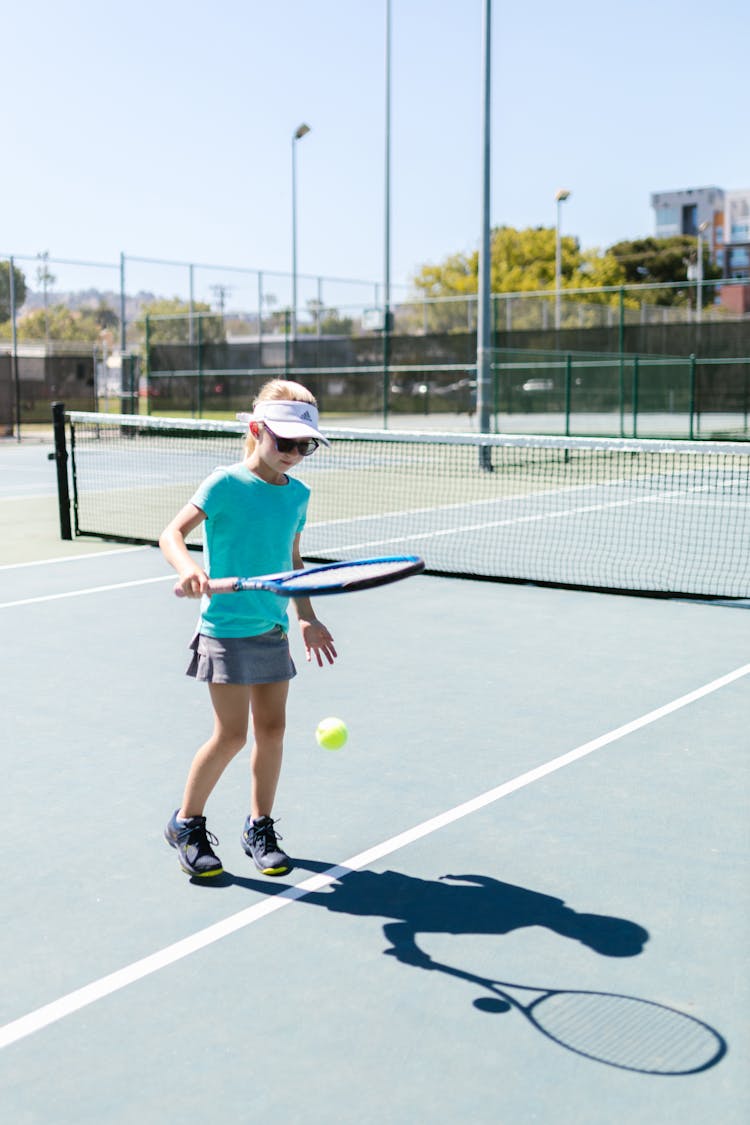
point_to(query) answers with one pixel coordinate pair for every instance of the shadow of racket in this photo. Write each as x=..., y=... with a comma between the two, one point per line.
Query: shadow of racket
x=621, y=1031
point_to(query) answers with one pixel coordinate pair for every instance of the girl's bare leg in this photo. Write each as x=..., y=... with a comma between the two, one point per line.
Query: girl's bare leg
x=231, y=704
x=268, y=705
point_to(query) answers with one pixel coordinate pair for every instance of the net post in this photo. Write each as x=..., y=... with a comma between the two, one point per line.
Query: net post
x=61, y=459
x=568, y=372
x=635, y=395
x=692, y=397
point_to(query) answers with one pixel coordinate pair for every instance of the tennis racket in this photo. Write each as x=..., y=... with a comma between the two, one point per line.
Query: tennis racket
x=332, y=578
x=621, y=1031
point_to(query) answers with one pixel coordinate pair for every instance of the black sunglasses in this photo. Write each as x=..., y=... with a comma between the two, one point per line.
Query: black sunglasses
x=288, y=445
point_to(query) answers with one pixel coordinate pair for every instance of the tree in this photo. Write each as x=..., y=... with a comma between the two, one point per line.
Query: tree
x=522, y=261
x=663, y=261
x=328, y=321
x=19, y=284
x=169, y=322
x=58, y=322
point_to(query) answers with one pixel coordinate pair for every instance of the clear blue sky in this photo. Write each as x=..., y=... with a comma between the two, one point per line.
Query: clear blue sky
x=163, y=129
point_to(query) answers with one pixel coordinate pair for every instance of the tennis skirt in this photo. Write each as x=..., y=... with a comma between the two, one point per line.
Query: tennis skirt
x=242, y=660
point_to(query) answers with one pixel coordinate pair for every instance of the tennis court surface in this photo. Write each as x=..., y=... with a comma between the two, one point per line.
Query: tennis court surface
x=544, y=789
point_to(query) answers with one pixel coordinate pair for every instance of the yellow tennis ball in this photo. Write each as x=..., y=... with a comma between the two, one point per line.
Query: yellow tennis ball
x=331, y=733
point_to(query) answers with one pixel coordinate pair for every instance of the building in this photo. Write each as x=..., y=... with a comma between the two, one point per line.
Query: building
x=722, y=217
x=685, y=211
x=736, y=234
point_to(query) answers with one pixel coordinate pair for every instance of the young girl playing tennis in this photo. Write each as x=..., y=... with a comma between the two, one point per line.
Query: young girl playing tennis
x=254, y=513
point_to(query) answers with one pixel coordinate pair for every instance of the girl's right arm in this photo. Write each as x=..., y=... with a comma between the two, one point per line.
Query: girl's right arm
x=193, y=579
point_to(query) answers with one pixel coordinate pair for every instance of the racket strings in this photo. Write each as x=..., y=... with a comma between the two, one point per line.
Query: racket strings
x=627, y=1032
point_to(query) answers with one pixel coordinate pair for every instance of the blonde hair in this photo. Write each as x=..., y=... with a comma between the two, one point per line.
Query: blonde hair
x=276, y=390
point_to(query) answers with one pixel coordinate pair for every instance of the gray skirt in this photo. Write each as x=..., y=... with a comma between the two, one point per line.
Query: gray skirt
x=242, y=660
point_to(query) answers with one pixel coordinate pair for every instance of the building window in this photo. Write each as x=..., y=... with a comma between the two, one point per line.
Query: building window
x=690, y=219
x=667, y=222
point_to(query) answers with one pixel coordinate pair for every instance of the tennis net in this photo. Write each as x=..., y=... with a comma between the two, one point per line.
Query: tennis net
x=656, y=517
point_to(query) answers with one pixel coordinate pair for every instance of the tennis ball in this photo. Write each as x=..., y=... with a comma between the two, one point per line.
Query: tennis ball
x=331, y=733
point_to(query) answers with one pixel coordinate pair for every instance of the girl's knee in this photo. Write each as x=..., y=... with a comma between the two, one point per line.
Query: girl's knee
x=230, y=742
x=269, y=729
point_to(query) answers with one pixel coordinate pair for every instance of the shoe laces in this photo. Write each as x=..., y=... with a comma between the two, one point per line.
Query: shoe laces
x=198, y=836
x=266, y=834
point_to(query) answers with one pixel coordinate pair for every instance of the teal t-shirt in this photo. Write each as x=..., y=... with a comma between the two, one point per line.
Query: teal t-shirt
x=249, y=529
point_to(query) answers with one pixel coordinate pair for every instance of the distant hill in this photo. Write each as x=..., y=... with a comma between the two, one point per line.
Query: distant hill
x=89, y=299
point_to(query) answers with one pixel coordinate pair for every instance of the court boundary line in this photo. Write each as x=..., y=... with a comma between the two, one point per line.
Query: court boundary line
x=89, y=590
x=80, y=998
x=74, y=558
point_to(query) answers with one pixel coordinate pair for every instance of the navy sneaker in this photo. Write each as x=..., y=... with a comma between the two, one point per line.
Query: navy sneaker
x=261, y=843
x=193, y=843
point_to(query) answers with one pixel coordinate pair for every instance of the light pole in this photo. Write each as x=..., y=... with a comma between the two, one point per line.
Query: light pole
x=484, y=282
x=702, y=228
x=299, y=132
x=560, y=196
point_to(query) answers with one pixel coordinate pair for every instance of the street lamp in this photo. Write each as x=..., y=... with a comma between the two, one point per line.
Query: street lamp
x=300, y=132
x=702, y=228
x=560, y=196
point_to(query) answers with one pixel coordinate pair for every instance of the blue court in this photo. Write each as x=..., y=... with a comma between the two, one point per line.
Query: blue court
x=543, y=788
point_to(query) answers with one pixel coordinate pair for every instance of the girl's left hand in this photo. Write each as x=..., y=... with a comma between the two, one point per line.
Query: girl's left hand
x=318, y=640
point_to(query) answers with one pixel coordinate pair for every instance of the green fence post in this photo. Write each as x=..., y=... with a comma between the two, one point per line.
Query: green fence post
x=200, y=366
x=692, y=397
x=496, y=395
x=568, y=374
x=635, y=395
x=147, y=362
x=621, y=350
x=386, y=341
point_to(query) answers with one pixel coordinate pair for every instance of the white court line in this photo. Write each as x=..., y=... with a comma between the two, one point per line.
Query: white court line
x=121, y=978
x=510, y=521
x=90, y=590
x=73, y=558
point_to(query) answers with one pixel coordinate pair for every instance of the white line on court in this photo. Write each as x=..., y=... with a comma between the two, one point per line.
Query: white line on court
x=73, y=558
x=90, y=590
x=113, y=982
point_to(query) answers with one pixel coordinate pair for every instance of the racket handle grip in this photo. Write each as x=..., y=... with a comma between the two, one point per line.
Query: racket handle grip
x=216, y=586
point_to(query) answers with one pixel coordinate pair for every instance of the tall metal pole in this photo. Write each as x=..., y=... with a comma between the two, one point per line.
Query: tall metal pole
x=484, y=354
x=191, y=316
x=702, y=228
x=560, y=196
x=299, y=132
x=387, y=220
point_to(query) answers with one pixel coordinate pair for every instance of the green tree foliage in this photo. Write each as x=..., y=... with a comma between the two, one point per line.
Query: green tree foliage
x=663, y=261
x=19, y=282
x=58, y=322
x=522, y=261
x=169, y=322
x=328, y=321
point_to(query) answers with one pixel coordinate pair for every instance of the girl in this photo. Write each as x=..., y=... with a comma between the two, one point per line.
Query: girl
x=254, y=513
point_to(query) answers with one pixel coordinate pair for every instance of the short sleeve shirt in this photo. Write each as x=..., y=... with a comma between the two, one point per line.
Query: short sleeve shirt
x=249, y=529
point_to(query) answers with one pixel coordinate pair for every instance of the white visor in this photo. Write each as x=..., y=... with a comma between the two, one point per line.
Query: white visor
x=287, y=419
